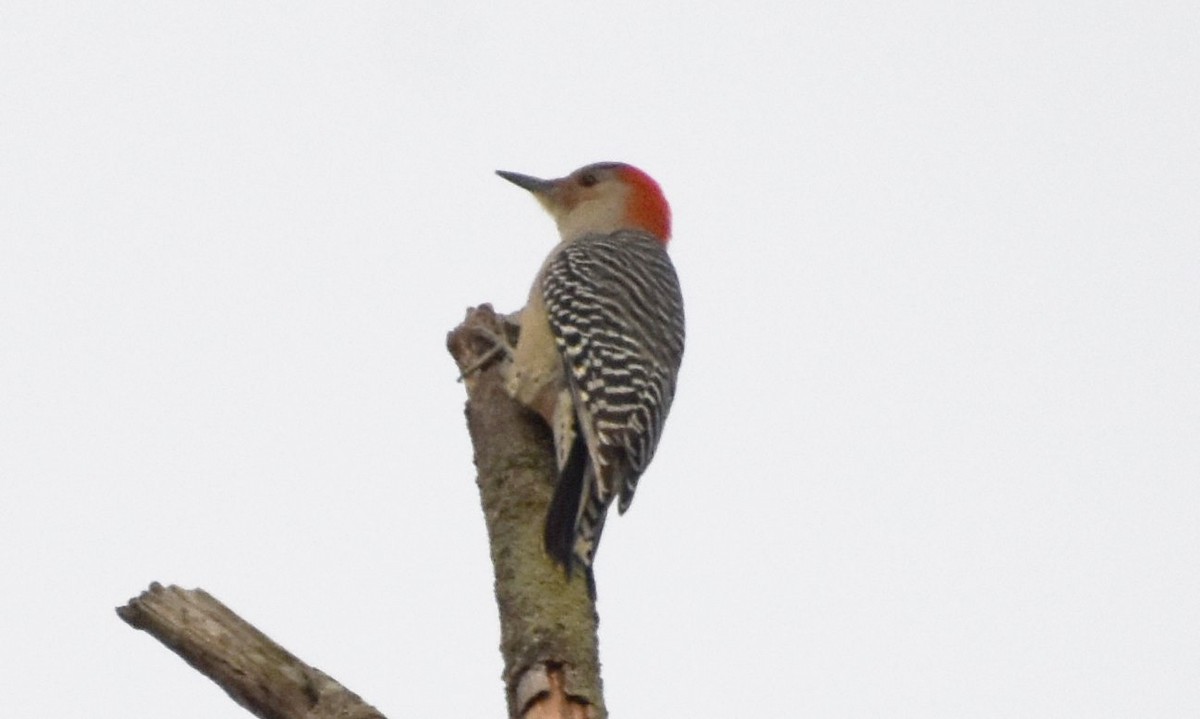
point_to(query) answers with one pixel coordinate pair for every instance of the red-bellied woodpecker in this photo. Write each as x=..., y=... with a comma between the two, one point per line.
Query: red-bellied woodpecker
x=601, y=340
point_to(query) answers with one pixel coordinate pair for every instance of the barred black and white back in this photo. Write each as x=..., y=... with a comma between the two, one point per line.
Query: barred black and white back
x=616, y=312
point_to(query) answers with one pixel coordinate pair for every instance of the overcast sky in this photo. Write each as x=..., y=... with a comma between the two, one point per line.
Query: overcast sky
x=936, y=446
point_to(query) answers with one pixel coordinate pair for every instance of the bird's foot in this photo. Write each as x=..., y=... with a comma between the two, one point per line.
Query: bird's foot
x=500, y=333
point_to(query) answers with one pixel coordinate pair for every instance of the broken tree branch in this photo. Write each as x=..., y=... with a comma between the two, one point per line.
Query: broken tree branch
x=547, y=621
x=256, y=672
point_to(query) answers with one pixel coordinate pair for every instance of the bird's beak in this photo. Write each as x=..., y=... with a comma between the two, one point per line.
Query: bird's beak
x=536, y=185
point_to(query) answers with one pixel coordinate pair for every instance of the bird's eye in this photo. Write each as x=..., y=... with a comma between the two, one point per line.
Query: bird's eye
x=588, y=179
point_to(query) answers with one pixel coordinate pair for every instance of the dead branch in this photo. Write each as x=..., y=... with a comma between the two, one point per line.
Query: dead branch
x=547, y=622
x=259, y=674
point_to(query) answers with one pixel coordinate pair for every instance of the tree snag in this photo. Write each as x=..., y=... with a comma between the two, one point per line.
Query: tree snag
x=547, y=621
x=256, y=672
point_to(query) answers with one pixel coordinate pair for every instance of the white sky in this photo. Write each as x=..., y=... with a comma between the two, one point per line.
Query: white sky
x=936, y=448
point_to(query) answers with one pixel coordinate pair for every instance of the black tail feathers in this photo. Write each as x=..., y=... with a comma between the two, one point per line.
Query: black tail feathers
x=564, y=507
x=565, y=520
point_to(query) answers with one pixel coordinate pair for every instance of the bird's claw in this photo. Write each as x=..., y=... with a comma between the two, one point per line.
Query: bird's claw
x=500, y=346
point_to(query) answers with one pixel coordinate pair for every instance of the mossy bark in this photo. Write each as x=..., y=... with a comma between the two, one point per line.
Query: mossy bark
x=547, y=621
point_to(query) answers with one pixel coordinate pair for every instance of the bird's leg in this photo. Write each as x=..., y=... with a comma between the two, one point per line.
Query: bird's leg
x=501, y=344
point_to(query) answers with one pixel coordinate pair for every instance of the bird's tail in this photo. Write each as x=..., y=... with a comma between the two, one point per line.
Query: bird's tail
x=576, y=515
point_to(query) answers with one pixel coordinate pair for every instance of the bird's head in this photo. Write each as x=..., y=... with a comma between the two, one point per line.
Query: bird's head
x=601, y=198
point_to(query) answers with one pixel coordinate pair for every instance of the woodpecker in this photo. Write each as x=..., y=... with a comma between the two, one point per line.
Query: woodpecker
x=600, y=344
